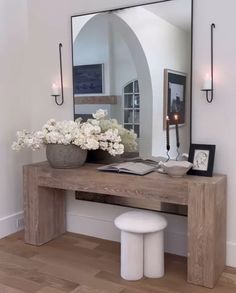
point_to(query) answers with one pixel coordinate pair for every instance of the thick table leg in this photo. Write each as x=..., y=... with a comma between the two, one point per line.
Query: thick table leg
x=206, y=233
x=44, y=210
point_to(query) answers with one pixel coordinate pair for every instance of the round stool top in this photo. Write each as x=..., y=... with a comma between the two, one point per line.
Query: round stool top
x=140, y=222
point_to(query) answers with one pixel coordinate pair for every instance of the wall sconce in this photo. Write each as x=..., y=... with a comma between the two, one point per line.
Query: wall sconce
x=208, y=86
x=55, y=88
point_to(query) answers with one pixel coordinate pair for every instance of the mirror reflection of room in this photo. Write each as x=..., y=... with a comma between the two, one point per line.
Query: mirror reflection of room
x=119, y=65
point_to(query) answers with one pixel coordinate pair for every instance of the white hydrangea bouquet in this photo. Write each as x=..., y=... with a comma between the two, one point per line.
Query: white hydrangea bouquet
x=97, y=133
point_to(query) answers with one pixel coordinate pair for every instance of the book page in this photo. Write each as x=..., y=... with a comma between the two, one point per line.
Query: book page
x=129, y=167
x=139, y=168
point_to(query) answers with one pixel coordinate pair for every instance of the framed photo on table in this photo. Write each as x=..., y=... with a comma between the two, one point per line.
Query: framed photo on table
x=174, y=96
x=202, y=157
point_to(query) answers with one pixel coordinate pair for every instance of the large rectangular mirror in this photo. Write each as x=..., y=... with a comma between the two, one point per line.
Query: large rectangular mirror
x=136, y=63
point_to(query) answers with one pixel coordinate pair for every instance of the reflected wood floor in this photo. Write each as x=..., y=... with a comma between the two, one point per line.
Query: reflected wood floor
x=81, y=264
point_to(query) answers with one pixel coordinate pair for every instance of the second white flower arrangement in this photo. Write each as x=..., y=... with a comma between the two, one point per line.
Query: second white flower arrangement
x=97, y=133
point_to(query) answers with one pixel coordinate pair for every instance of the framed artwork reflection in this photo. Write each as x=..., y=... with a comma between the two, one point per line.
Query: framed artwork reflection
x=88, y=79
x=174, y=96
x=202, y=156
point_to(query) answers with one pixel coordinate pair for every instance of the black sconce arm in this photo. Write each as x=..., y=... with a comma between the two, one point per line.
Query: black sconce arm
x=62, y=86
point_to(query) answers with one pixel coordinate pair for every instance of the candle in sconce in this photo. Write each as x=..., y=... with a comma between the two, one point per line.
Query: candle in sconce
x=176, y=117
x=55, y=90
x=167, y=133
x=207, y=82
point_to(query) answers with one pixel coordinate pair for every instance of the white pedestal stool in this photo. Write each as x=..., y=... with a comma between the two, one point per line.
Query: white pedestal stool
x=142, y=244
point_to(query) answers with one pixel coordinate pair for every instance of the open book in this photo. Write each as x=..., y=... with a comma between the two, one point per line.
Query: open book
x=129, y=167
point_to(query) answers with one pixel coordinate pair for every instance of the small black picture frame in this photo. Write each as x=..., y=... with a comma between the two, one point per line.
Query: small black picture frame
x=202, y=156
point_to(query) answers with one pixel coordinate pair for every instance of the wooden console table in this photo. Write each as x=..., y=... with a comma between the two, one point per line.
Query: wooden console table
x=44, y=203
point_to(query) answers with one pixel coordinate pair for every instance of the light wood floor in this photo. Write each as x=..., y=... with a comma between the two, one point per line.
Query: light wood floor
x=81, y=264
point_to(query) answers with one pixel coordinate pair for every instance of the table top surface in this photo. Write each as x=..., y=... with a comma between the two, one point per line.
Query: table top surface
x=91, y=169
x=153, y=186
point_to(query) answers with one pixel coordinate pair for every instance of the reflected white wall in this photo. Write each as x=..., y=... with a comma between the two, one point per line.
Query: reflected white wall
x=99, y=42
x=164, y=46
x=92, y=46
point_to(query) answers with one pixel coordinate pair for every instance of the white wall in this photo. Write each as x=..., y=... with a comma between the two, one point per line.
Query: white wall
x=98, y=41
x=14, y=102
x=164, y=46
x=215, y=123
x=123, y=69
x=49, y=24
x=92, y=46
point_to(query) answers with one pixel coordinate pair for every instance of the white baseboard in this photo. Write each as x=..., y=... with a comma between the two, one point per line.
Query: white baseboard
x=94, y=227
x=231, y=254
x=8, y=225
x=175, y=242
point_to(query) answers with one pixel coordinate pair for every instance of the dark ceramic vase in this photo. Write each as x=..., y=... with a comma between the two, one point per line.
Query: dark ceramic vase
x=102, y=157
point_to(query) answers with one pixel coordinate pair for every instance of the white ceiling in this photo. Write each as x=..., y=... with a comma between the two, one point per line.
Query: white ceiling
x=176, y=12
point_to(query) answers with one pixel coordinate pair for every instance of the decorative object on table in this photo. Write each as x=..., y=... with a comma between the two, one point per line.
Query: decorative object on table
x=88, y=79
x=208, y=86
x=174, y=96
x=135, y=168
x=176, y=168
x=55, y=88
x=62, y=156
x=183, y=157
x=202, y=156
x=94, y=134
x=176, y=117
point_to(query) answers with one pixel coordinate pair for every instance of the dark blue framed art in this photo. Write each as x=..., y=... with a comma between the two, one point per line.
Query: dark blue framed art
x=88, y=79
